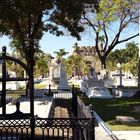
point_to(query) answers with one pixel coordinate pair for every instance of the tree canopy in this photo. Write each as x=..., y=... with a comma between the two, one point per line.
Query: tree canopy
x=109, y=22
x=60, y=53
x=128, y=57
x=25, y=21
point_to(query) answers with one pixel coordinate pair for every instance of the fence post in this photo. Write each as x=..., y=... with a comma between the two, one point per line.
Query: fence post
x=3, y=98
x=92, y=125
x=32, y=122
x=73, y=98
x=74, y=102
x=49, y=92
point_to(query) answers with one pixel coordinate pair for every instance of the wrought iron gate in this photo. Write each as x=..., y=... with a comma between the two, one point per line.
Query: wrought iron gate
x=22, y=126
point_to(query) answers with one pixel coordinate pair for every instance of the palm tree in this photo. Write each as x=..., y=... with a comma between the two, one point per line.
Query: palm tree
x=41, y=67
x=70, y=65
x=76, y=65
x=60, y=53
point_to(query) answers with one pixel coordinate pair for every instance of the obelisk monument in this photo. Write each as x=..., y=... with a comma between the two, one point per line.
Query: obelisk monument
x=63, y=83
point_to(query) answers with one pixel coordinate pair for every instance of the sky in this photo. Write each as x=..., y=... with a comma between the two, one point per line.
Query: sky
x=50, y=43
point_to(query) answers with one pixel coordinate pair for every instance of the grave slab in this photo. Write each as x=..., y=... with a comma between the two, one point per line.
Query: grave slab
x=126, y=119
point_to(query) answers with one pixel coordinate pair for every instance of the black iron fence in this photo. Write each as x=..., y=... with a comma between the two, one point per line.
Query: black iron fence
x=12, y=95
x=66, y=95
x=45, y=129
x=16, y=128
x=21, y=126
x=64, y=128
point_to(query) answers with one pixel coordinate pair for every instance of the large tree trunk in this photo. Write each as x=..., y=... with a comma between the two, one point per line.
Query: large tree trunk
x=138, y=89
x=31, y=84
x=139, y=75
x=103, y=62
x=30, y=63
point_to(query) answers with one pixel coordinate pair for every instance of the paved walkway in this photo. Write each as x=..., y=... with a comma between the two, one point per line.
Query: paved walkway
x=127, y=135
x=42, y=106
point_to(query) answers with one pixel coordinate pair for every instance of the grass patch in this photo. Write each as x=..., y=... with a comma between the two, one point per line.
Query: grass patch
x=108, y=109
x=40, y=86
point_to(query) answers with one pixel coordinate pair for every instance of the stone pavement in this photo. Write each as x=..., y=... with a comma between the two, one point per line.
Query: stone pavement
x=42, y=106
x=100, y=135
x=127, y=135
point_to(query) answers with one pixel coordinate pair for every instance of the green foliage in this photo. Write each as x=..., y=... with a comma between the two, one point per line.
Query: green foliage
x=131, y=50
x=42, y=65
x=75, y=62
x=128, y=57
x=78, y=65
x=19, y=71
x=113, y=17
x=60, y=53
x=25, y=21
x=115, y=107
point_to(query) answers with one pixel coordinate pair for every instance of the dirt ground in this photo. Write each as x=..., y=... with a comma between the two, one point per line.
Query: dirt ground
x=62, y=109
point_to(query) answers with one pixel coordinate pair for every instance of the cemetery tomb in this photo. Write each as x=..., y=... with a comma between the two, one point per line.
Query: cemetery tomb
x=99, y=92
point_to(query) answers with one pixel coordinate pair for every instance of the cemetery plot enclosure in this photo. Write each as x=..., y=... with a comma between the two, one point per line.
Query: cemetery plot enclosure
x=19, y=125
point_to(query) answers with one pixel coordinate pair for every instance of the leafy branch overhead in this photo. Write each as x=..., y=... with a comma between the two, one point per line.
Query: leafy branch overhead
x=26, y=21
x=109, y=22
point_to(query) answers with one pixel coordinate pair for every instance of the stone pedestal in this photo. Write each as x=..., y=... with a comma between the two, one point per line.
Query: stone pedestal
x=57, y=75
x=54, y=73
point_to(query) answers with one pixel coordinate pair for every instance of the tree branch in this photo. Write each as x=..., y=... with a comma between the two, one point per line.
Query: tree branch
x=106, y=43
x=38, y=22
x=97, y=46
x=29, y=25
x=19, y=31
x=128, y=38
x=116, y=38
x=90, y=23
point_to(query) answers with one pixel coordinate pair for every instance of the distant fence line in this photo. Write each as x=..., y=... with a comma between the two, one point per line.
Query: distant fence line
x=13, y=95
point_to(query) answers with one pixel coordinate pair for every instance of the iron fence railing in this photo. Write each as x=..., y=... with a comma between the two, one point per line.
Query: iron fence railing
x=63, y=128
x=26, y=126
x=45, y=129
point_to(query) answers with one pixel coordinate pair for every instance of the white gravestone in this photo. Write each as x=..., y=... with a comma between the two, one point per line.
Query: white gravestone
x=63, y=83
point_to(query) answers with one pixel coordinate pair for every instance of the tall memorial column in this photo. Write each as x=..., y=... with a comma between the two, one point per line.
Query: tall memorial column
x=63, y=81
